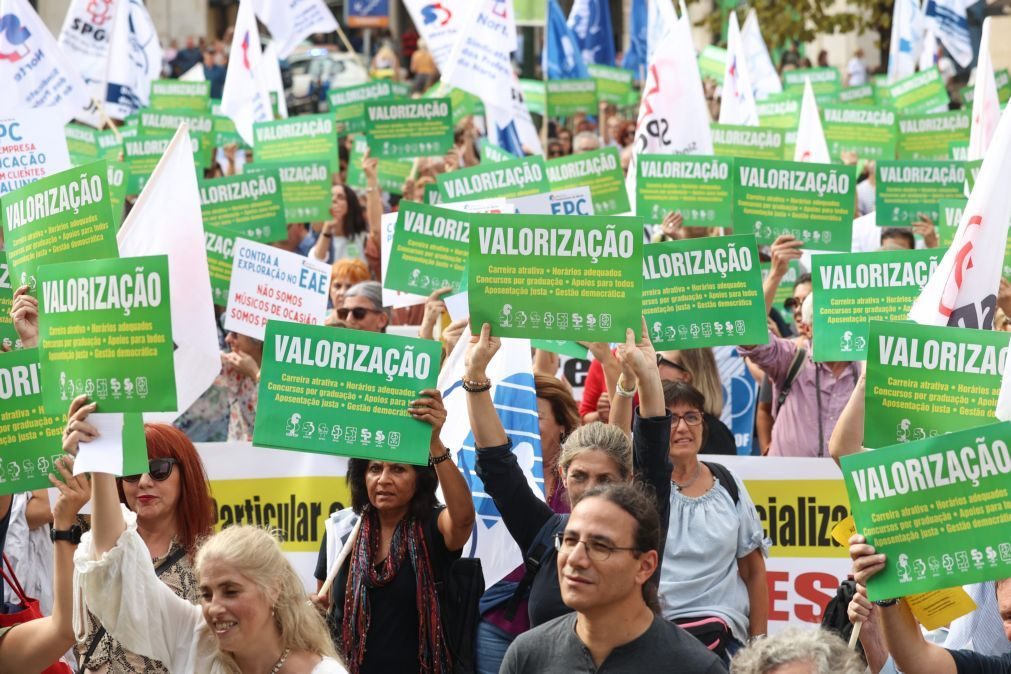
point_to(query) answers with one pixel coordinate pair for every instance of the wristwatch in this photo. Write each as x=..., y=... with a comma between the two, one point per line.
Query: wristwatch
x=885, y=603
x=71, y=535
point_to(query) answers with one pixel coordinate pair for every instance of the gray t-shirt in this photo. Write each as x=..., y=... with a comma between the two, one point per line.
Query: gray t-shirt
x=555, y=647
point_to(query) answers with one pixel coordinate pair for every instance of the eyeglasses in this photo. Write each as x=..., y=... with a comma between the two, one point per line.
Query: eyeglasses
x=158, y=469
x=358, y=312
x=691, y=418
x=792, y=304
x=597, y=551
x=660, y=360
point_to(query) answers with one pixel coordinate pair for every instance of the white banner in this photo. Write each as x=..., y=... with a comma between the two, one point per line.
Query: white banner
x=480, y=62
x=85, y=38
x=243, y=98
x=292, y=21
x=438, y=24
x=29, y=149
x=134, y=60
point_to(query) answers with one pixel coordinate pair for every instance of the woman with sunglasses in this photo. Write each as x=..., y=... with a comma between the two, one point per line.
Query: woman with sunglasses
x=362, y=308
x=714, y=557
x=173, y=510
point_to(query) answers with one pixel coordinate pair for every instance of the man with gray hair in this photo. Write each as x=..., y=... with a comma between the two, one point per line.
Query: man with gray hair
x=585, y=141
x=797, y=651
x=362, y=308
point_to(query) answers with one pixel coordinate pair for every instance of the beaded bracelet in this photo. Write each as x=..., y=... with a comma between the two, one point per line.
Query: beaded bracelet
x=436, y=460
x=472, y=386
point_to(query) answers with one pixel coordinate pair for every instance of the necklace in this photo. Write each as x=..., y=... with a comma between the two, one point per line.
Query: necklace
x=280, y=663
x=685, y=485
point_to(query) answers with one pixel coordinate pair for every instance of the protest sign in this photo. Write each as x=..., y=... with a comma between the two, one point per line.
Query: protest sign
x=571, y=96
x=272, y=284
x=950, y=212
x=851, y=289
x=9, y=338
x=600, y=170
x=924, y=381
x=904, y=189
x=858, y=95
x=345, y=392
x=1002, y=78
x=109, y=145
x=117, y=175
x=779, y=111
x=462, y=103
x=347, y=105
x=930, y=136
x=868, y=131
x=105, y=329
x=220, y=245
x=701, y=188
x=181, y=95
x=408, y=128
x=250, y=205
x=613, y=84
x=302, y=138
x=825, y=82
x=958, y=151
x=506, y=179
x=492, y=153
x=748, y=142
x=82, y=143
x=391, y=173
x=29, y=150
x=201, y=126
x=811, y=202
x=937, y=508
x=305, y=188
x=429, y=251
x=63, y=218
x=142, y=153
x=703, y=292
x=524, y=274
x=561, y=347
x=920, y=93
x=575, y=201
x=713, y=62
x=30, y=440
x=535, y=95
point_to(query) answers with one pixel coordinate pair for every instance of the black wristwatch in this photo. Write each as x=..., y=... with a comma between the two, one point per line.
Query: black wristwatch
x=72, y=535
x=885, y=603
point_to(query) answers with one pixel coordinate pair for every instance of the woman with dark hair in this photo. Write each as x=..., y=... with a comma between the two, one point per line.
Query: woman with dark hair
x=716, y=437
x=345, y=233
x=558, y=417
x=174, y=511
x=395, y=543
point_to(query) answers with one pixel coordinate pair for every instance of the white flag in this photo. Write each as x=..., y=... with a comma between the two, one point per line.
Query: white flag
x=928, y=50
x=86, y=38
x=906, y=40
x=512, y=128
x=292, y=21
x=737, y=105
x=764, y=78
x=134, y=60
x=985, y=104
x=243, y=98
x=166, y=221
x=34, y=72
x=811, y=145
x=660, y=19
x=194, y=74
x=480, y=61
x=950, y=24
x=270, y=78
x=438, y=23
x=963, y=290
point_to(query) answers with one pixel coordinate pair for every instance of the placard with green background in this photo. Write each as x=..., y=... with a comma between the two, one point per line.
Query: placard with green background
x=143, y=152
x=703, y=292
x=201, y=126
x=920, y=93
x=391, y=173
x=407, y=128
x=526, y=275
x=9, y=338
x=305, y=188
x=219, y=243
x=429, y=251
x=825, y=82
x=713, y=63
x=347, y=105
x=110, y=145
x=779, y=111
x=534, y=95
x=344, y=392
x=859, y=95
x=250, y=205
x=492, y=153
x=750, y=142
x=937, y=509
x=600, y=170
x=700, y=187
x=181, y=95
x=82, y=143
x=64, y=217
x=930, y=136
x=571, y=96
x=105, y=328
x=924, y=381
x=814, y=203
x=613, y=84
x=117, y=175
x=516, y=178
x=868, y=131
x=1003, y=80
x=904, y=189
x=851, y=289
x=958, y=151
x=462, y=102
x=561, y=347
x=302, y=138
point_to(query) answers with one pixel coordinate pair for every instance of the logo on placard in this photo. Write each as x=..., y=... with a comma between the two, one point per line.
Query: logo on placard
x=12, y=38
x=435, y=12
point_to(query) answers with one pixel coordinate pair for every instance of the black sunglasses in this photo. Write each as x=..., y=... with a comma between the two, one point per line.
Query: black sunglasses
x=158, y=469
x=660, y=360
x=358, y=312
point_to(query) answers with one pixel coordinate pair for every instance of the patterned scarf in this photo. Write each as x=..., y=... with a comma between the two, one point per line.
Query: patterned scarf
x=408, y=541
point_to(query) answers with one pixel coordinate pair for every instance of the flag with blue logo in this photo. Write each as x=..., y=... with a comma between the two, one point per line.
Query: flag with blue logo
x=907, y=39
x=635, y=56
x=740, y=397
x=590, y=21
x=950, y=24
x=515, y=398
x=511, y=128
x=561, y=58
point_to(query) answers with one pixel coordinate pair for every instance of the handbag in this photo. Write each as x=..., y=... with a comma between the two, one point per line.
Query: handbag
x=713, y=632
x=29, y=611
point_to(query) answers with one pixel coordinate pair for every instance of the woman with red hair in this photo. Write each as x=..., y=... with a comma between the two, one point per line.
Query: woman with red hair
x=174, y=512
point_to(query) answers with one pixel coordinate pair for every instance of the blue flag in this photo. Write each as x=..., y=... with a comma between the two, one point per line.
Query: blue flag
x=635, y=57
x=561, y=58
x=590, y=21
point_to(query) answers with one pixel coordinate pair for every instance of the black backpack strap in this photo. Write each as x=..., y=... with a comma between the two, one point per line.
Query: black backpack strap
x=726, y=479
x=791, y=375
x=536, y=556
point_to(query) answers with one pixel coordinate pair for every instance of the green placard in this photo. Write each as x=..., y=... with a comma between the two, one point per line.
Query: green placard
x=399, y=128
x=109, y=145
x=859, y=95
x=570, y=97
x=931, y=136
x=348, y=104
x=61, y=218
x=117, y=176
x=703, y=292
x=305, y=188
x=920, y=93
x=600, y=170
x=784, y=290
x=527, y=273
x=462, y=103
x=9, y=338
x=924, y=381
x=429, y=249
x=219, y=242
x=391, y=173
x=851, y=289
x=516, y=178
x=143, y=152
x=701, y=188
x=225, y=133
x=713, y=63
x=950, y=212
x=534, y=95
x=825, y=82
x=302, y=138
x=250, y=205
x=904, y=189
x=781, y=111
x=181, y=95
x=344, y=392
x=561, y=347
x=958, y=151
x=106, y=326
x=814, y=203
x=82, y=143
x=492, y=153
x=1003, y=80
x=751, y=142
x=30, y=440
x=868, y=131
x=972, y=169
x=201, y=127
x=613, y=84
x=936, y=508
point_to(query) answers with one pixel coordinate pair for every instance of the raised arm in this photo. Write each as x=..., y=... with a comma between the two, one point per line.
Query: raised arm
x=25, y=314
x=373, y=196
x=784, y=249
x=848, y=434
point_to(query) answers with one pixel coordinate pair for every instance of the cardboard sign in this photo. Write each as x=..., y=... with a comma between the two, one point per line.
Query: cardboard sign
x=701, y=188
x=750, y=142
x=407, y=128
x=251, y=205
x=302, y=138
x=930, y=136
x=506, y=179
x=868, y=131
x=600, y=170
x=904, y=189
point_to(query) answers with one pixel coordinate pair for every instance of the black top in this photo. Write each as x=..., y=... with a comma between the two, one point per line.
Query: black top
x=719, y=439
x=526, y=515
x=968, y=662
x=392, y=642
x=4, y=522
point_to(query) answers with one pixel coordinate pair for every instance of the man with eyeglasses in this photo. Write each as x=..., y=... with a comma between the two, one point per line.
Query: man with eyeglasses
x=606, y=558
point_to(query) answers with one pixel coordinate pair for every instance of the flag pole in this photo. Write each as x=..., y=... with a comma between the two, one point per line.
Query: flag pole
x=107, y=121
x=347, y=45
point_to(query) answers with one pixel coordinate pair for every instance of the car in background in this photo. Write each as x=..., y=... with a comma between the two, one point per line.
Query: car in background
x=310, y=71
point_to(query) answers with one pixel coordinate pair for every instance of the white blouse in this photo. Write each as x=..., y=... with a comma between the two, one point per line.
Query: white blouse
x=142, y=613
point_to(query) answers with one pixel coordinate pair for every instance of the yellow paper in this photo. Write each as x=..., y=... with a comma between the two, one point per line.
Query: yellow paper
x=842, y=531
x=938, y=608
